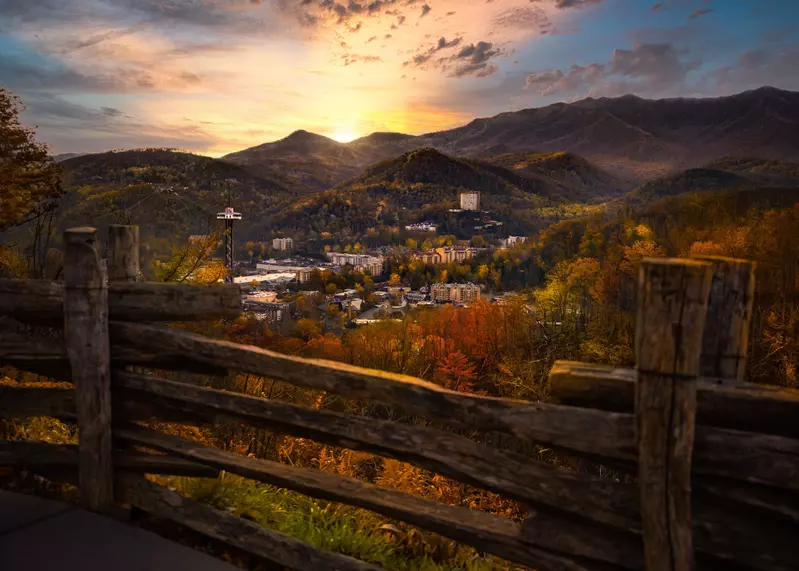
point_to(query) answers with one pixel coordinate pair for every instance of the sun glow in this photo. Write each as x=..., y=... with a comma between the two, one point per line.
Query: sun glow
x=344, y=135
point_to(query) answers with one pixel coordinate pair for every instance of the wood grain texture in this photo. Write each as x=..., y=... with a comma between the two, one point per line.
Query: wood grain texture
x=48, y=357
x=37, y=301
x=725, y=343
x=41, y=302
x=748, y=407
x=43, y=457
x=672, y=303
x=769, y=546
x=735, y=455
x=603, y=543
x=511, y=475
x=123, y=253
x=725, y=538
x=488, y=533
x=21, y=401
x=276, y=547
x=573, y=429
x=86, y=335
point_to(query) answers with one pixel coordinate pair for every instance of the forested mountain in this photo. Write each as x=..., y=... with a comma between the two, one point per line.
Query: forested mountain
x=169, y=194
x=584, y=181
x=424, y=185
x=631, y=137
x=309, y=160
x=722, y=174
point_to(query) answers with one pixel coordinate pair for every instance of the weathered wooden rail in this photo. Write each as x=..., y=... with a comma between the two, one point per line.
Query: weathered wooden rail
x=715, y=462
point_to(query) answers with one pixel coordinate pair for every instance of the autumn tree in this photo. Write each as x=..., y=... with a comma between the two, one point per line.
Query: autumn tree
x=29, y=178
x=192, y=263
x=457, y=372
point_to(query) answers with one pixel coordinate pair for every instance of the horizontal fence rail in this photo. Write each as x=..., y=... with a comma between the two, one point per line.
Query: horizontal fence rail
x=733, y=480
x=42, y=302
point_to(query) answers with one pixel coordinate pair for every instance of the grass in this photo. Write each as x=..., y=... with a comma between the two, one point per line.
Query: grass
x=334, y=527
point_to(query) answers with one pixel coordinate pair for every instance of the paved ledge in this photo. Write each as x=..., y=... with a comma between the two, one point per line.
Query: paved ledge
x=43, y=535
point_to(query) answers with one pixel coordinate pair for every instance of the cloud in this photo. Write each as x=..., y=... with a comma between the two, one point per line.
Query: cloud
x=566, y=4
x=422, y=58
x=699, y=12
x=350, y=59
x=111, y=112
x=312, y=12
x=646, y=68
x=528, y=17
x=658, y=64
x=474, y=60
x=755, y=68
x=577, y=78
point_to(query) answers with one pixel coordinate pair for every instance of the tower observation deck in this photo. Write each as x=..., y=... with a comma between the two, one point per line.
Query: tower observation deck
x=230, y=216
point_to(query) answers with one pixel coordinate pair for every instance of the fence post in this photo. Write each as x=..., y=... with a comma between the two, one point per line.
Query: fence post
x=672, y=305
x=123, y=267
x=123, y=253
x=726, y=344
x=86, y=332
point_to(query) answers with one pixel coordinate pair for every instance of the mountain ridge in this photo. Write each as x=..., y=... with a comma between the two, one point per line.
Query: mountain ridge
x=631, y=137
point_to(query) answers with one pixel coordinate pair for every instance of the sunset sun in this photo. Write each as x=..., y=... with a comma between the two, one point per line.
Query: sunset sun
x=344, y=135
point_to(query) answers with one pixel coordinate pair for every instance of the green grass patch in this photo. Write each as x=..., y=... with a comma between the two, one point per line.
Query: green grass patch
x=335, y=527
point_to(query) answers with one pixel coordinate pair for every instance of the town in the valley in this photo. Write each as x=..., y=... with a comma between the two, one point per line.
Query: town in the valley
x=293, y=284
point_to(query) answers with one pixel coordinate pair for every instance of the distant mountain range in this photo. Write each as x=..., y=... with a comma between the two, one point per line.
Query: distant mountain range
x=630, y=137
x=626, y=151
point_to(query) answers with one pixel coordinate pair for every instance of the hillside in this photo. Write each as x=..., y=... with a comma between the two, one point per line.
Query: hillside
x=311, y=161
x=583, y=180
x=630, y=137
x=169, y=194
x=722, y=174
x=423, y=185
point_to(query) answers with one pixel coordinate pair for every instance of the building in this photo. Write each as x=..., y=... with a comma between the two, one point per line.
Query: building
x=274, y=312
x=304, y=275
x=283, y=244
x=288, y=265
x=512, y=241
x=470, y=200
x=446, y=255
x=360, y=262
x=421, y=227
x=455, y=293
x=272, y=279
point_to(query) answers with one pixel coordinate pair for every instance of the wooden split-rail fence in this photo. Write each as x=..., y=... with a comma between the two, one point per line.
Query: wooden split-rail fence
x=711, y=463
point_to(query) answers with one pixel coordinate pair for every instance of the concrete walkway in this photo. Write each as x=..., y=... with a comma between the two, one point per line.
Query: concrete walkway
x=43, y=535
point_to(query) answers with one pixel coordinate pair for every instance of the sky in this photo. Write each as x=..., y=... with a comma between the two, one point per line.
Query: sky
x=217, y=76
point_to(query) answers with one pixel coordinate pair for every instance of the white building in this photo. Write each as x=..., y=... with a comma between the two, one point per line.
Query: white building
x=456, y=293
x=421, y=227
x=270, y=279
x=470, y=200
x=512, y=241
x=269, y=266
x=283, y=244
